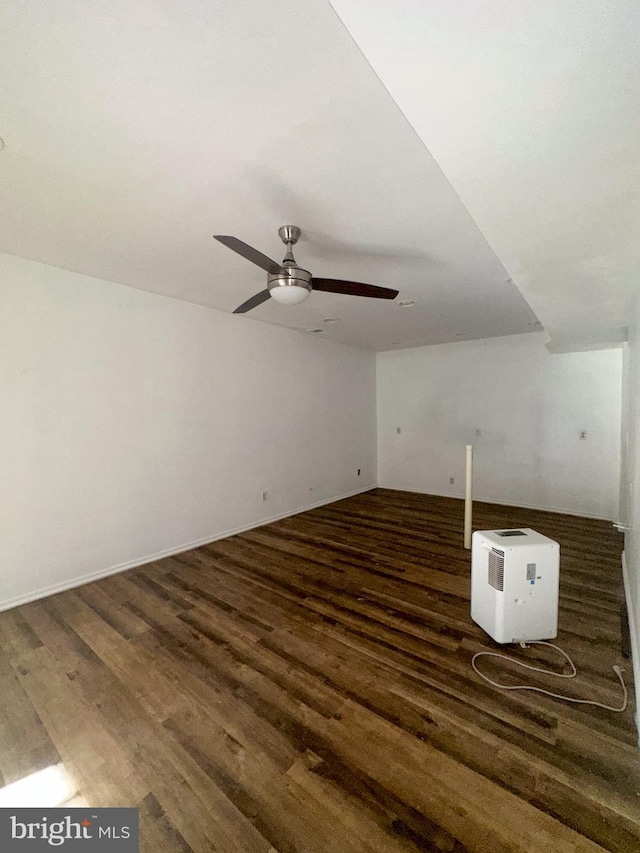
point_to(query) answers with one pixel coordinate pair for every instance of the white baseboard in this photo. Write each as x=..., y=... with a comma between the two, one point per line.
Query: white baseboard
x=635, y=639
x=46, y=591
x=485, y=500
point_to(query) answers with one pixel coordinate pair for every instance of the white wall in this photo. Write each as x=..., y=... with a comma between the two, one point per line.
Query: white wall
x=630, y=486
x=134, y=425
x=529, y=405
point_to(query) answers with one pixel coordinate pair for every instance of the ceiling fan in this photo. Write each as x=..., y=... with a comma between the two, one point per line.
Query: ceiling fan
x=287, y=283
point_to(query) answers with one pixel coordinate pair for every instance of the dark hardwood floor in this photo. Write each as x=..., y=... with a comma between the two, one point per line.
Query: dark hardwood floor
x=306, y=686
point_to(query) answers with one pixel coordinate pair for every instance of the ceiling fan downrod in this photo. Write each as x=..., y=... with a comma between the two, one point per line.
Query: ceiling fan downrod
x=289, y=234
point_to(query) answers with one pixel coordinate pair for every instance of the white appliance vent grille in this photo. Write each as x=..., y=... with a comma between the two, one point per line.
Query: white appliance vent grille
x=496, y=569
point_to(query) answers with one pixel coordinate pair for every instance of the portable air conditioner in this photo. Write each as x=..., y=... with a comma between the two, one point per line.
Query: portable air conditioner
x=514, y=584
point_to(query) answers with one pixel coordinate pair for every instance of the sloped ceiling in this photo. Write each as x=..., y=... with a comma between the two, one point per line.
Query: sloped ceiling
x=532, y=110
x=441, y=148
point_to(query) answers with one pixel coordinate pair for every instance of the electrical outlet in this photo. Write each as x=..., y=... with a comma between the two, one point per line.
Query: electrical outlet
x=398, y=430
x=358, y=472
x=583, y=434
x=478, y=432
x=263, y=496
x=452, y=481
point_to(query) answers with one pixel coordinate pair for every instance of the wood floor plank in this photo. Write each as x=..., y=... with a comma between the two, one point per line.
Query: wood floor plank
x=98, y=767
x=26, y=745
x=306, y=686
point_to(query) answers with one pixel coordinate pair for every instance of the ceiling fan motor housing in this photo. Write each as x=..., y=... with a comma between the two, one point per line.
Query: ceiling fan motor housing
x=290, y=276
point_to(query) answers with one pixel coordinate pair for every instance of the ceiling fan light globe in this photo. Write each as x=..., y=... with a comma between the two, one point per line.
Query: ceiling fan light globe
x=289, y=294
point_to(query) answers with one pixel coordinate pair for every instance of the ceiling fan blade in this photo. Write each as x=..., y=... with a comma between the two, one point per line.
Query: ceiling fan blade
x=352, y=288
x=249, y=253
x=256, y=300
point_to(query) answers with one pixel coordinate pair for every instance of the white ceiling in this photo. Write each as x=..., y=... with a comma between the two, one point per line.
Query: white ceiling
x=532, y=110
x=134, y=131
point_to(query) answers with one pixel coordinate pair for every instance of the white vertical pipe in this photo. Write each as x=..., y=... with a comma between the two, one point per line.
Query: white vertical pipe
x=468, y=497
